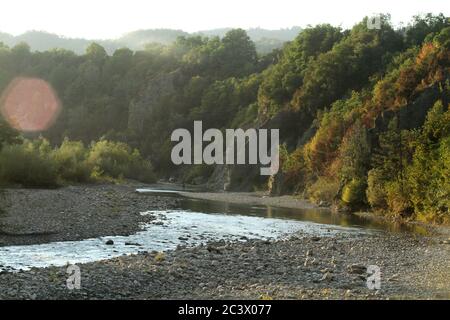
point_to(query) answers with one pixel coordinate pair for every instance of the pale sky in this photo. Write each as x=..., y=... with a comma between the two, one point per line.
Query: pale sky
x=101, y=19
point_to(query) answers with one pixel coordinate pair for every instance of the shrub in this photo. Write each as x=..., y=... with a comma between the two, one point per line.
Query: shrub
x=353, y=193
x=70, y=159
x=323, y=190
x=36, y=164
x=375, y=193
x=117, y=160
x=140, y=169
x=28, y=164
x=397, y=199
x=294, y=169
x=110, y=158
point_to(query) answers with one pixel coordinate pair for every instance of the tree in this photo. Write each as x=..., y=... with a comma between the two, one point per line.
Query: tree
x=286, y=76
x=237, y=53
x=423, y=25
x=348, y=66
x=96, y=53
x=7, y=134
x=428, y=175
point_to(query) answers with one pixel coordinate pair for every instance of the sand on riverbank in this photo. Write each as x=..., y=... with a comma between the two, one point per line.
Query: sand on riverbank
x=253, y=198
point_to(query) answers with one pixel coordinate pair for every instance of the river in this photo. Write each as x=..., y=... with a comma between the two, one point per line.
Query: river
x=195, y=222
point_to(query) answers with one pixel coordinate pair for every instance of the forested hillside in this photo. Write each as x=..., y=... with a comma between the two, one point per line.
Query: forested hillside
x=265, y=40
x=363, y=114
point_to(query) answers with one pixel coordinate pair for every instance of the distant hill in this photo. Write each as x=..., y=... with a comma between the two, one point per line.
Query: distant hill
x=265, y=40
x=257, y=34
x=42, y=41
x=138, y=39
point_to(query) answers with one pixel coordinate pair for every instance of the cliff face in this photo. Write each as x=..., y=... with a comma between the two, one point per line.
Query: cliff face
x=247, y=177
x=161, y=86
x=236, y=178
x=220, y=179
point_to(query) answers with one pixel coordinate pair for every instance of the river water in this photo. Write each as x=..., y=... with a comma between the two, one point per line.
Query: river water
x=194, y=222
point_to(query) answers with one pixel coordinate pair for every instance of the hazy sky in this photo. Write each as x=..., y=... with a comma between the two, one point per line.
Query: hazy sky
x=96, y=19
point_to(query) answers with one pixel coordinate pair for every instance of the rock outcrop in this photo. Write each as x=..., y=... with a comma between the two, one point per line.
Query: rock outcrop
x=159, y=87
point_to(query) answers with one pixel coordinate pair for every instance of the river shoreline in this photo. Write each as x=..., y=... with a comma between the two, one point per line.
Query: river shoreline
x=293, y=202
x=34, y=216
x=253, y=198
x=302, y=266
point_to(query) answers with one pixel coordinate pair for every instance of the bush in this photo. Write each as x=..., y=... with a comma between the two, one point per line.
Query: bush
x=353, y=193
x=293, y=169
x=28, y=164
x=140, y=169
x=36, y=164
x=375, y=193
x=109, y=158
x=70, y=159
x=398, y=199
x=116, y=160
x=323, y=190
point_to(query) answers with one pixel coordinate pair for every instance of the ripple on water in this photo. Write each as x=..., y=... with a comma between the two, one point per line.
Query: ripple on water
x=170, y=229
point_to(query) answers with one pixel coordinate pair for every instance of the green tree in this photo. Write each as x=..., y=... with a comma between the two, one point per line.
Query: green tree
x=7, y=134
x=428, y=176
x=423, y=25
x=96, y=53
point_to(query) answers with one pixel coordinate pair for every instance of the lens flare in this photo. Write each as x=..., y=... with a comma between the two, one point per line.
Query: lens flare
x=30, y=104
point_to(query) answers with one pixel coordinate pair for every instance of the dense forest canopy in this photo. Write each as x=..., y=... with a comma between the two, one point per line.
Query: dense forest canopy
x=363, y=113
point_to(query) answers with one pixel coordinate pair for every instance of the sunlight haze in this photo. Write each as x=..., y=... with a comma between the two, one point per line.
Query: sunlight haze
x=103, y=19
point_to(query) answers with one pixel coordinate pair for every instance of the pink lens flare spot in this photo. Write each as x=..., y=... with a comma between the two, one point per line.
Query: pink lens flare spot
x=30, y=104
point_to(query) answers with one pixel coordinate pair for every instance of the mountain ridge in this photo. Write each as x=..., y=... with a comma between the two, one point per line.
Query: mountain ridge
x=265, y=39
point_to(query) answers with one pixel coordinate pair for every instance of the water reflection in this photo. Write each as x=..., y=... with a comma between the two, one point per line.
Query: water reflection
x=170, y=229
x=319, y=215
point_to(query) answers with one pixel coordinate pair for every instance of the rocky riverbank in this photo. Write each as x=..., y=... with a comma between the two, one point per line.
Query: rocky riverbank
x=301, y=266
x=31, y=216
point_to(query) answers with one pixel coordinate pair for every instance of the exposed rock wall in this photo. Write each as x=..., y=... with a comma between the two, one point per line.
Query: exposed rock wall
x=159, y=87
